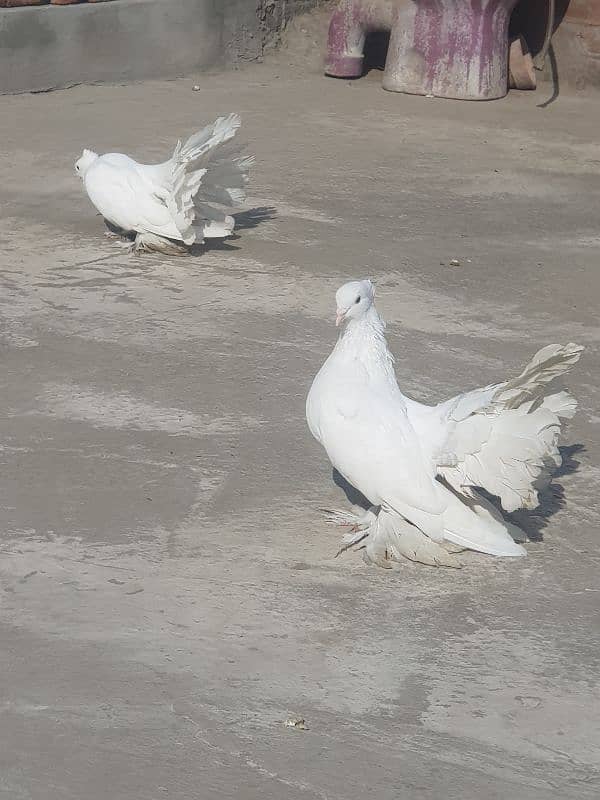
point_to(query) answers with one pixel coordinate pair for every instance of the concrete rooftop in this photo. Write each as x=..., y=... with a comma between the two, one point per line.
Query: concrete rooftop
x=169, y=592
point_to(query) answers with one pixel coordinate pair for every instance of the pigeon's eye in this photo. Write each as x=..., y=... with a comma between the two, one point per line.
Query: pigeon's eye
x=357, y=299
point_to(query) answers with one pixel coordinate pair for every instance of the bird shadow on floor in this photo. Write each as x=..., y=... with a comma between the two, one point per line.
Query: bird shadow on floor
x=116, y=230
x=213, y=245
x=244, y=220
x=253, y=217
x=532, y=523
x=552, y=496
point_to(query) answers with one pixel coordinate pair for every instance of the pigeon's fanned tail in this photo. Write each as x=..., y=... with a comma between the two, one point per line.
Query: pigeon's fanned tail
x=225, y=182
x=509, y=445
x=192, y=169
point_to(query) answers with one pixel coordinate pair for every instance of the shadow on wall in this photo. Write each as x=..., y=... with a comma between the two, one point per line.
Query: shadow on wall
x=376, y=47
x=530, y=18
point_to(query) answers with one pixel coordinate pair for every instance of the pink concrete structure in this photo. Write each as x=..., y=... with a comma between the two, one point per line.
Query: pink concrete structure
x=446, y=48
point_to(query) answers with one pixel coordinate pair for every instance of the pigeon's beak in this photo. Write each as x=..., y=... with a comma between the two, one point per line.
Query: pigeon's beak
x=339, y=317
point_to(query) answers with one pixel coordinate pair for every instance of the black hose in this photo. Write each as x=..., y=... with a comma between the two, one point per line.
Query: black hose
x=540, y=60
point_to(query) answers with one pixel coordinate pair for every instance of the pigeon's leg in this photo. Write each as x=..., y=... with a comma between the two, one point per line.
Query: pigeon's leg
x=393, y=539
x=139, y=245
x=151, y=243
x=142, y=244
x=359, y=522
x=352, y=538
x=357, y=519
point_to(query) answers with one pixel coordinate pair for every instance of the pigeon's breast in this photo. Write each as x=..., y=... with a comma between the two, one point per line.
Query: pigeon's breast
x=332, y=407
x=112, y=194
x=317, y=396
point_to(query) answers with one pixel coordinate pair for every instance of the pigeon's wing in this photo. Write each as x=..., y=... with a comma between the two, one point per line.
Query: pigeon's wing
x=504, y=438
x=123, y=197
x=371, y=442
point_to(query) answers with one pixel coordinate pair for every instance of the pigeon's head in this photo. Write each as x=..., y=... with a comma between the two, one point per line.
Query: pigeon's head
x=353, y=300
x=83, y=164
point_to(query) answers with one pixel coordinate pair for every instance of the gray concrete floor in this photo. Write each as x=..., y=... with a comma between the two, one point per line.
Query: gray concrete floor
x=169, y=592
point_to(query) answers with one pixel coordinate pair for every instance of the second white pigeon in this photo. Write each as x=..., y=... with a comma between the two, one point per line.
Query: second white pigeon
x=421, y=467
x=175, y=204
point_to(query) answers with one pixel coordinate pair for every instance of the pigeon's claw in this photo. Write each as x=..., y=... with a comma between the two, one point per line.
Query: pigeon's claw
x=349, y=540
x=335, y=516
x=348, y=519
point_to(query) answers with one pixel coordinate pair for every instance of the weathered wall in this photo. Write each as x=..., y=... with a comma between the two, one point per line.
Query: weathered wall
x=48, y=47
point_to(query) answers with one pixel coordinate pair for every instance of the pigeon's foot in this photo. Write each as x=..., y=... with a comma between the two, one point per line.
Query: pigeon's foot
x=389, y=540
x=151, y=243
x=393, y=539
x=358, y=519
x=387, y=554
x=351, y=539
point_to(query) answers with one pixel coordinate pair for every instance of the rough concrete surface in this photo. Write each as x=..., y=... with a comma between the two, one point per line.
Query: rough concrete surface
x=169, y=591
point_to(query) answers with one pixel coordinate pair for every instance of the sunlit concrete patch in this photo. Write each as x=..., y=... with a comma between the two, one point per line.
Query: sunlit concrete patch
x=285, y=209
x=121, y=410
x=544, y=710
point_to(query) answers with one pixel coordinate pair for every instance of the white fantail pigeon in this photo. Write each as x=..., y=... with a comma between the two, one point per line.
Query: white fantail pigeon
x=421, y=466
x=169, y=206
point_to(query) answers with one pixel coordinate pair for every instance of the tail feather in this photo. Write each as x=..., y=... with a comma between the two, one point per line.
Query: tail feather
x=218, y=229
x=548, y=364
x=181, y=201
x=509, y=445
x=472, y=522
x=562, y=404
x=220, y=131
x=225, y=182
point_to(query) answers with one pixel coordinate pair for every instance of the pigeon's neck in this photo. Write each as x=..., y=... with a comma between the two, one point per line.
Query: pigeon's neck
x=86, y=161
x=364, y=341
